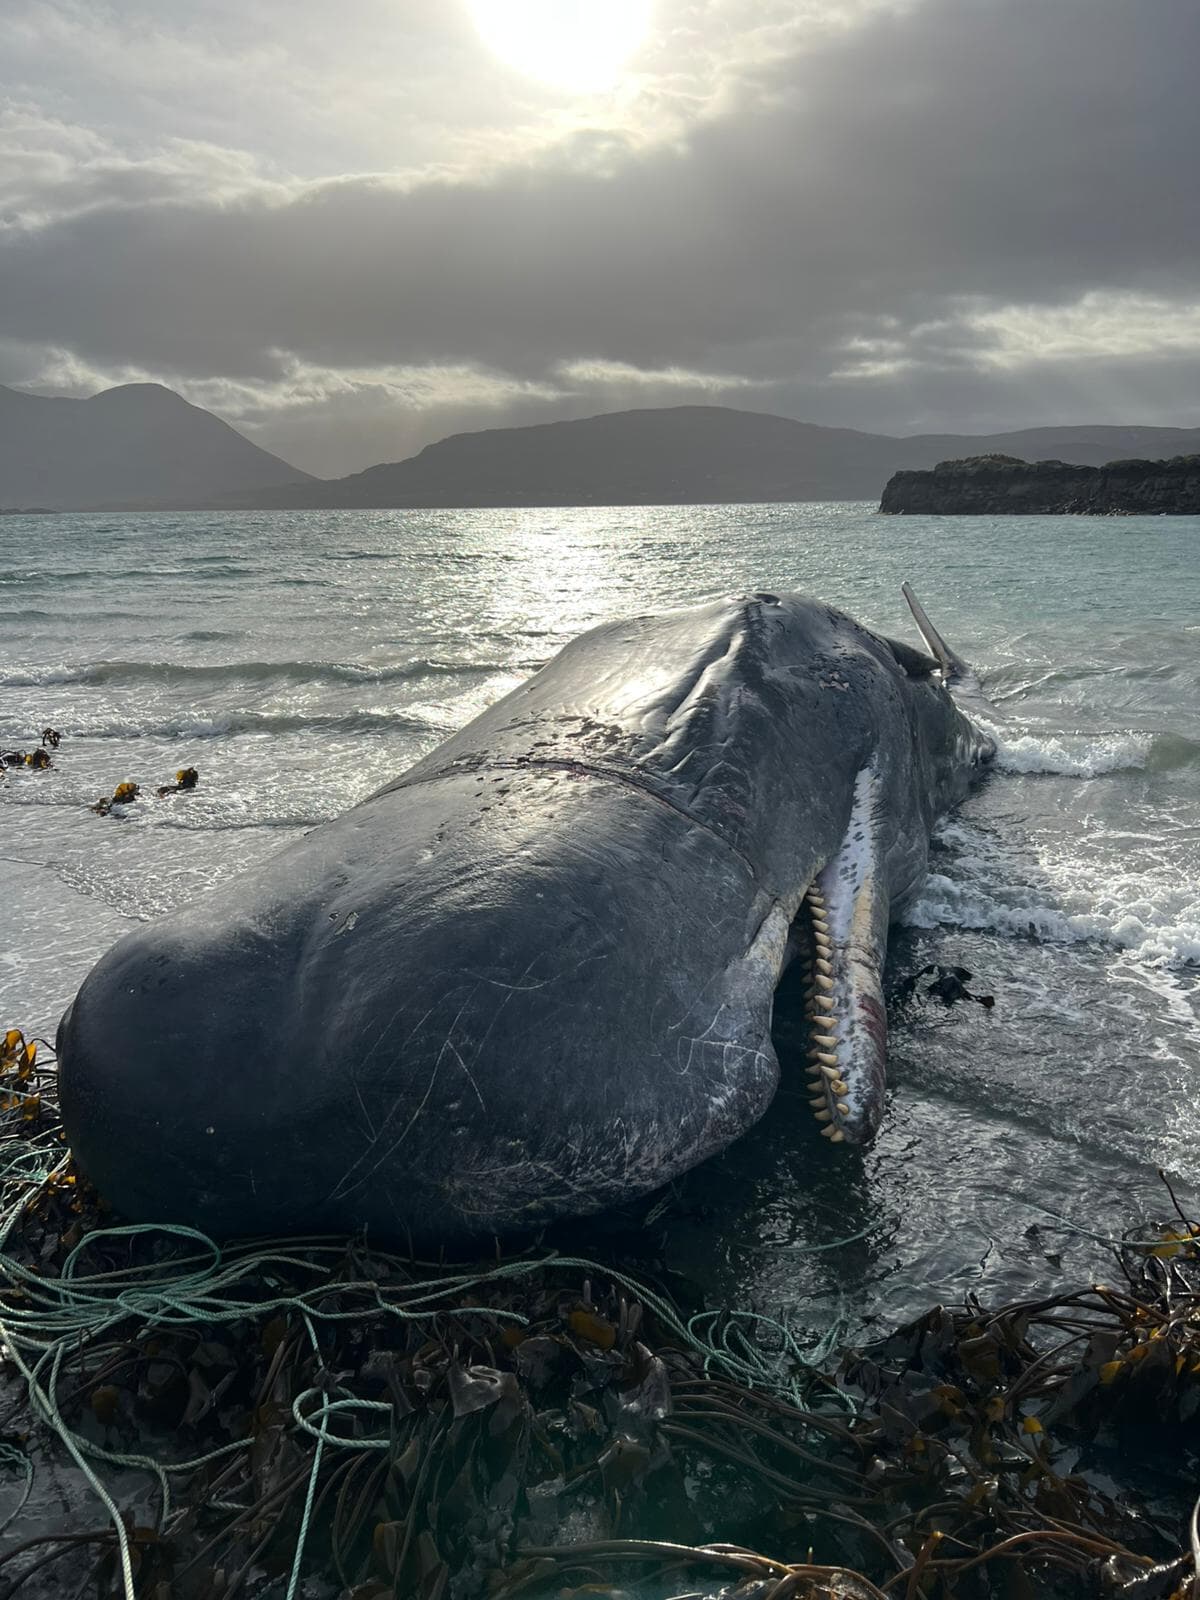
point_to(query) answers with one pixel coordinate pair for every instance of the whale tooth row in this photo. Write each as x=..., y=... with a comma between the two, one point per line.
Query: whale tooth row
x=824, y=1079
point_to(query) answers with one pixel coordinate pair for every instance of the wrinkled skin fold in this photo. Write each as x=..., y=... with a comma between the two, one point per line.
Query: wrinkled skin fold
x=534, y=975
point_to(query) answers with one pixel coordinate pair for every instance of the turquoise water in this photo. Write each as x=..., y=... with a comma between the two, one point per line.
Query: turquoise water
x=299, y=660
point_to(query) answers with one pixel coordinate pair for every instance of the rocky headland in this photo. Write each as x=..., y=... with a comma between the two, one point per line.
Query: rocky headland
x=998, y=485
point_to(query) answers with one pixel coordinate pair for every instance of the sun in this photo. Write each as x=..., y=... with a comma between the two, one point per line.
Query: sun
x=579, y=45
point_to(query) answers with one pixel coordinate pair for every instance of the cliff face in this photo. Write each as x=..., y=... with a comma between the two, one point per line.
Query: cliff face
x=1002, y=485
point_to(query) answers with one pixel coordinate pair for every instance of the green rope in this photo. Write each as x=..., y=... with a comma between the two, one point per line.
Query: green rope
x=1086, y=1233
x=302, y=1536
x=12, y=1457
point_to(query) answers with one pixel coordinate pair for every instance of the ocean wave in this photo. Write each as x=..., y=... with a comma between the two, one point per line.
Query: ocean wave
x=182, y=673
x=229, y=724
x=1092, y=755
x=43, y=578
x=1153, y=937
x=1170, y=751
x=1071, y=756
x=990, y=888
x=1017, y=912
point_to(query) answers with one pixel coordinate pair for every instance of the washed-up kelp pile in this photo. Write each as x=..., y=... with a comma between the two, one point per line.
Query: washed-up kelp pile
x=317, y=1418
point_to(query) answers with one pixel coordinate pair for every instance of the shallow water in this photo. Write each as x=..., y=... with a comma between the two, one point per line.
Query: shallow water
x=301, y=659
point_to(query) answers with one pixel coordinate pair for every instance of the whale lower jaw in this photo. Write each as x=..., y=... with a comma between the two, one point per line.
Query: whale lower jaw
x=842, y=938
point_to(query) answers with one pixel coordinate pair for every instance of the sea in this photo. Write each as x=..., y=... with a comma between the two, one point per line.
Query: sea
x=299, y=660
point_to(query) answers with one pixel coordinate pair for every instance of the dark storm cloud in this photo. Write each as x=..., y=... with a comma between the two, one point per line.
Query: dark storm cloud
x=838, y=236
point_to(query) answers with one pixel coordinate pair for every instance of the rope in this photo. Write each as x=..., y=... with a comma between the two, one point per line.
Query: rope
x=10, y=1456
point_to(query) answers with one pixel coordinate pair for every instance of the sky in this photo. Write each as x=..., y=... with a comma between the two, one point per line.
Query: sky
x=352, y=229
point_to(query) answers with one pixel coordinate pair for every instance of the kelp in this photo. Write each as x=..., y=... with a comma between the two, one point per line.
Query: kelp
x=37, y=759
x=324, y=1418
x=186, y=778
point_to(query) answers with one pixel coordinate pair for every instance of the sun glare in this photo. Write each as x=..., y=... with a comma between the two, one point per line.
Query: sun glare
x=580, y=45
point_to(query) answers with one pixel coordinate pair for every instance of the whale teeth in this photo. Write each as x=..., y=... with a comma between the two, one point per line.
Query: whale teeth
x=823, y=966
x=819, y=1101
x=843, y=1107
x=824, y=1057
x=824, y=1001
x=833, y=1133
x=824, y=1116
x=823, y=982
x=830, y=1074
x=839, y=1086
x=824, y=1041
x=820, y=926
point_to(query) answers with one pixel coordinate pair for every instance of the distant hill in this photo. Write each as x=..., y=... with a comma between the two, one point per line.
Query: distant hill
x=135, y=445
x=143, y=446
x=689, y=455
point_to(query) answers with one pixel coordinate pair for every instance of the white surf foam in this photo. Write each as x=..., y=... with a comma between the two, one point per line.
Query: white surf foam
x=1071, y=756
x=995, y=887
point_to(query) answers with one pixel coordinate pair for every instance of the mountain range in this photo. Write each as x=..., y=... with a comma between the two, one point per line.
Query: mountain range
x=142, y=446
x=138, y=444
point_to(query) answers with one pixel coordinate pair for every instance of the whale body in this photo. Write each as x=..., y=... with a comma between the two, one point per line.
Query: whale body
x=534, y=974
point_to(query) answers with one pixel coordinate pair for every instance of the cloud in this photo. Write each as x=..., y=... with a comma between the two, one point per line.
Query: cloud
x=591, y=373
x=51, y=171
x=1099, y=326
x=882, y=215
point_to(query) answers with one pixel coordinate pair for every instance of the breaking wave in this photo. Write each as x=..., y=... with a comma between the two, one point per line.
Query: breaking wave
x=182, y=674
x=1092, y=755
x=221, y=725
x=990, y=889
x=1157, y=940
